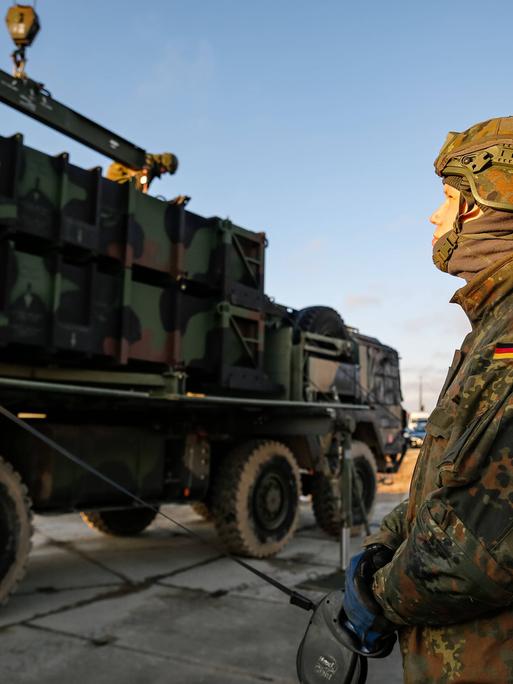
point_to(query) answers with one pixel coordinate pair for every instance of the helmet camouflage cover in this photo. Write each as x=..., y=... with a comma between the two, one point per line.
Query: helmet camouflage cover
x=483, y=155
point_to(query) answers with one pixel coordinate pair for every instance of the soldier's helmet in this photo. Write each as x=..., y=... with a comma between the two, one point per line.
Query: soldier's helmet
x=483, y=155
x=167, y=161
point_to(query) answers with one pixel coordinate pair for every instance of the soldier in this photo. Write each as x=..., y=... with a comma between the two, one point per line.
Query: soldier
x=155, y=166
x=440, y=569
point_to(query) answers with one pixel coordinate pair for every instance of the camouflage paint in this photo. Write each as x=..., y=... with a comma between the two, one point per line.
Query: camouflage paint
x=63, y=306
x=76, y=209
x=148, y=218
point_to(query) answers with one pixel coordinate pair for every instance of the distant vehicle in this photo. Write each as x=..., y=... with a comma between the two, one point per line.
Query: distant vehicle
x=416, y=430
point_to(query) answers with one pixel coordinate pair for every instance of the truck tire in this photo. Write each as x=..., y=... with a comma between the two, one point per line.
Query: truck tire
x=255, y=498
x=203, y=510
x=15, y=529
x=123, y=522
x=322, y=320
x=325, y=504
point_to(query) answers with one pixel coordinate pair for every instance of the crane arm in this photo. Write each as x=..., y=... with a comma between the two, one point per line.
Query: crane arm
x=31, y=98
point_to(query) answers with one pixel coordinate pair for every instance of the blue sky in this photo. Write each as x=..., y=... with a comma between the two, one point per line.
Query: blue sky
x=317, y=122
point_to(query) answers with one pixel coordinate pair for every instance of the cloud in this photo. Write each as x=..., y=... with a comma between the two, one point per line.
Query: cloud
x=315, y=245
x=361, y=301
x=304, y=249
x=442, y=356
x=402, y=224
x=177, y=70
x=429, y=383
x=437, y=324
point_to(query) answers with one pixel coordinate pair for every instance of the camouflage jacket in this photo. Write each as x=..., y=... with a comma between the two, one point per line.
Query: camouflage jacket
x=450, y=583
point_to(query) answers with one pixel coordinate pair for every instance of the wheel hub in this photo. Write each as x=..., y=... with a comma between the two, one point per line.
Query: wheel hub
x=271, y=501
x=273, y=498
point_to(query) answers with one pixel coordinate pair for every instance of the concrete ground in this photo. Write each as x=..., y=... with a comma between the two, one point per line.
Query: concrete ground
x=163, y=608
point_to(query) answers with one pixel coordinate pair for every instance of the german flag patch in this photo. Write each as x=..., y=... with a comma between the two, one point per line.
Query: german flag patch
x=503, y=351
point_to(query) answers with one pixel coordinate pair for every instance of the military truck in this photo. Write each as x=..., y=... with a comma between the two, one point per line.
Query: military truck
x=138, y=335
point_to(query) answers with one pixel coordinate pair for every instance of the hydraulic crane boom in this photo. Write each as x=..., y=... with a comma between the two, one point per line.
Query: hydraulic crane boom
x=32, y=99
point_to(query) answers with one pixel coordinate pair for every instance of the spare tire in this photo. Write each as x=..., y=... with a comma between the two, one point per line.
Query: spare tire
x=322, y=320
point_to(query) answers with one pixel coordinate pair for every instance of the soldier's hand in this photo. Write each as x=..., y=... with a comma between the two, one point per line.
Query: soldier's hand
x=364, y=614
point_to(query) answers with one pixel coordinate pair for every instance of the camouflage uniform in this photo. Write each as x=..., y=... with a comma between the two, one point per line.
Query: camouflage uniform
x=450, y=582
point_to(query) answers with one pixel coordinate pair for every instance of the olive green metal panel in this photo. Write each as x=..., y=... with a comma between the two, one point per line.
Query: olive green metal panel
x=196, y=239
x=196, y=321
x=150, y=338
x=228, y=342
x=9, y=161
x=38, y=191
x=297, y=372
x=149, y=232
x=133, y=457
x=278, y=358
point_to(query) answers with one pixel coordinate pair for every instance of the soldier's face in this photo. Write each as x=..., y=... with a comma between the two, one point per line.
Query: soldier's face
x=443, y=218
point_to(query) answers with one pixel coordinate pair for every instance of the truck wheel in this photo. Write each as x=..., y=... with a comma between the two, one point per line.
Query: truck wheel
x=15, y=529
x=204, y=511
x=255, y=498
x=325, y=504
x=123, y=522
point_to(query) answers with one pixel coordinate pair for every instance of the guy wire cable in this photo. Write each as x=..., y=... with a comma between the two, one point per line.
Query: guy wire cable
x=295, y=597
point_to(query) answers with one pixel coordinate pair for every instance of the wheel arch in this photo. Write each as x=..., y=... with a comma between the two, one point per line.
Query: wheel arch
x=307, y=449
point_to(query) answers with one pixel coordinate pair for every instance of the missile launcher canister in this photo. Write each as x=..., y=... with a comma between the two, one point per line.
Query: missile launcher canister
x=104, y=274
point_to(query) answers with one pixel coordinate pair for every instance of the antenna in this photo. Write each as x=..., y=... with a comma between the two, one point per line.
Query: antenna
x=421, y=401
